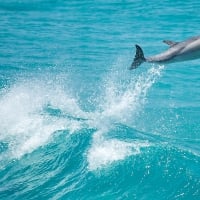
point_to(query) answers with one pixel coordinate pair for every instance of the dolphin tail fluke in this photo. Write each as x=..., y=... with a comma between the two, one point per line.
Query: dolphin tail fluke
x=139, y=58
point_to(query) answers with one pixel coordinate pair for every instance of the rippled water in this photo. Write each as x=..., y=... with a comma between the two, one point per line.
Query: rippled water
x=75, y=123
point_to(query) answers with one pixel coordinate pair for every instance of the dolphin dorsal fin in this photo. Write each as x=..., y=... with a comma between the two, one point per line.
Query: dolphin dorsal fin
x=170, y=43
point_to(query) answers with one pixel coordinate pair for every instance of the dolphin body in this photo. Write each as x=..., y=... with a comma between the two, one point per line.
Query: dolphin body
x=178, y=51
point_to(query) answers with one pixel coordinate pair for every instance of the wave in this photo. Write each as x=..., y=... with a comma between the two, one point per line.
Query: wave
x=32, y=111
x=47, y=140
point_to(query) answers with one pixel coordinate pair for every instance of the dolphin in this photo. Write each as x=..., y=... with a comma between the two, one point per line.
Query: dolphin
x=177, y=52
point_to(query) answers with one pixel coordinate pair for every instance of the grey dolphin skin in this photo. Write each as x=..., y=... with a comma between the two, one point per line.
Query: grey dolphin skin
x=177, y=52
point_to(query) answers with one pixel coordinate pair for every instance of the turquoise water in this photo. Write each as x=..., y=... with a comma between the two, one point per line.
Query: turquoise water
x=75, y=123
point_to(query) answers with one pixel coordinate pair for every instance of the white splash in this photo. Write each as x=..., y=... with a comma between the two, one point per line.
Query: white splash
x=25, y=125
x=102, y=154
x=124, y=102
x=121, y=104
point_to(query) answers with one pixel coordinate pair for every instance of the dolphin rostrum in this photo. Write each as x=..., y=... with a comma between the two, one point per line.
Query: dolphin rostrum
x=178, y=51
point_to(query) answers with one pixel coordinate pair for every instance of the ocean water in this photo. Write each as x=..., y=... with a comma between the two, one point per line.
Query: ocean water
x=75, y=123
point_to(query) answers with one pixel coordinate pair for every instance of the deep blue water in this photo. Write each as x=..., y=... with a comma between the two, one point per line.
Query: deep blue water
x=75, y=123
